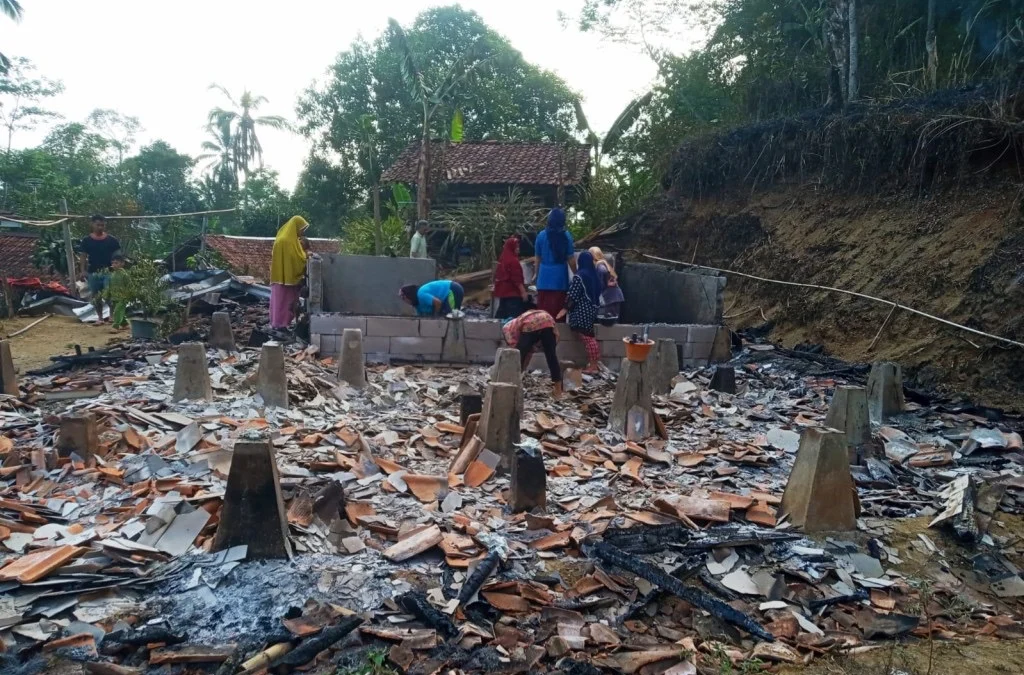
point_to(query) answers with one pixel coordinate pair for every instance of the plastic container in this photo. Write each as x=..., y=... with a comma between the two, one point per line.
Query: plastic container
x=144, y=329
x=637, y=351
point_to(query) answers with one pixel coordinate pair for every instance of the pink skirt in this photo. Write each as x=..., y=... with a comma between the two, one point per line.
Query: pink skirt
x=283, y=299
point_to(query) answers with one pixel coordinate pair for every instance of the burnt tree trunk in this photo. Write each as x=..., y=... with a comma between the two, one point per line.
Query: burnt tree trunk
x=423, y=179
x=931, y=49
x=853, y=86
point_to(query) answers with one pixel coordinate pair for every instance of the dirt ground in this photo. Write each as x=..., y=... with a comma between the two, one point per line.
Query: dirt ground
x=56, y=335
x=954, y=254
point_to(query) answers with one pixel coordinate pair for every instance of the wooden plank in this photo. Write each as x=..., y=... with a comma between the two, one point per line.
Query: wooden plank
x=415, y=544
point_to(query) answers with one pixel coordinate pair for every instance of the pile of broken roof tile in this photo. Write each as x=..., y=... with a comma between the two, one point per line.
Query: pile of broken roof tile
x=664, y=556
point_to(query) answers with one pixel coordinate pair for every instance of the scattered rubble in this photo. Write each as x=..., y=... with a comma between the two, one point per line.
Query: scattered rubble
x=142, y=528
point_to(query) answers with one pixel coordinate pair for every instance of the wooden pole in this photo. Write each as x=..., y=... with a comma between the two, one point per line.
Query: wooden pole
x=69, y=249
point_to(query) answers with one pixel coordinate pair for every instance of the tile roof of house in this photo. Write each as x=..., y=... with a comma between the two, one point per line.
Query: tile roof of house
x=497, y=163
x=16, y=257
x=250, y=256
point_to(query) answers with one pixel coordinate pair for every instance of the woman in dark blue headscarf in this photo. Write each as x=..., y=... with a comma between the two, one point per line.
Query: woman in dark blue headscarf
x=553, y=259
x=581, y=304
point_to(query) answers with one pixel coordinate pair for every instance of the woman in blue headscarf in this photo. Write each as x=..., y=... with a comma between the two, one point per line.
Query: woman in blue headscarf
x=551, y=264
x=581, y=305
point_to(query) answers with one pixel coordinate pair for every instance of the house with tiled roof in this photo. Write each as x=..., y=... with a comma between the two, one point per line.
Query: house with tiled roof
x=245, y=256
x=16, y=249
x=473, y=169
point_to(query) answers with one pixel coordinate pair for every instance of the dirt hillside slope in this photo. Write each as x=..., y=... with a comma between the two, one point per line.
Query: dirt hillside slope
x=956, y=254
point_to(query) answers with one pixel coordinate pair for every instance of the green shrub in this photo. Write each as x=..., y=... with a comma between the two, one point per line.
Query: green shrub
x=138, y=288
x=357, y=236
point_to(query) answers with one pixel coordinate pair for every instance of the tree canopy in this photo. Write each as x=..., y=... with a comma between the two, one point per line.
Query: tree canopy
x=507, y=98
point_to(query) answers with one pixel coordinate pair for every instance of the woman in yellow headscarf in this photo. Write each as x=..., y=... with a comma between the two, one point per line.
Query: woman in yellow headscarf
x=287, y=270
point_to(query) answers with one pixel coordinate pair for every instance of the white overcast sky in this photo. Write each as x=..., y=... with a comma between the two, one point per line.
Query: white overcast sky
x=154, y=59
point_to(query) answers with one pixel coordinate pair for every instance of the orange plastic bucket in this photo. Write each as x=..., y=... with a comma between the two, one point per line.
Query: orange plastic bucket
x=637, y=351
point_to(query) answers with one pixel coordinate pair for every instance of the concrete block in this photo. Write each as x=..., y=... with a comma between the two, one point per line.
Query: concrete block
x=499, y=420
x=453, y=347
x=848, y=412
x=192, y=377
x=564, y=333
x=702, y=333
x=482, y=351
x=416, y=346
x=679, y=333
x=698, y=350
x=221, y=335
x=253, y=513
x=335, y=323
x=78, y=435
x=613, y=364
x=271, y=382
x=483, y=330
x=436, y=328
x=329, y=345
x=8, y=378
x=529, y=481
x=314, y=340
x=351, y=362
x=375, y=345
x=572, y=350
x=664, y=365
x=885, y=391
x=368, y=285
x=315, y=282
x=506, y=366
x=724, y=379
x=377, y=326
x=613, y=348
x=616, y=332
x=632, y=390
x=820, y=493
x=721, y=348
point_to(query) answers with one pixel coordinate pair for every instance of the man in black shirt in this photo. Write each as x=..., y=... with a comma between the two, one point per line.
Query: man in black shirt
x=98, y=250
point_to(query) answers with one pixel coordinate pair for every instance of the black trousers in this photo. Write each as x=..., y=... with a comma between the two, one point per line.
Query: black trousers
x=510, y=308
x=546, y=337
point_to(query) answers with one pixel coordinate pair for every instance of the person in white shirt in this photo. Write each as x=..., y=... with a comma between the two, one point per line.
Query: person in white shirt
x=418, y=248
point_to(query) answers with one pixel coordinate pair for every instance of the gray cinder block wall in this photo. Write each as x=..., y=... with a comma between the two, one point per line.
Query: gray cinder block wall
x=413, y=339
x=655, y=293
x=366, y=284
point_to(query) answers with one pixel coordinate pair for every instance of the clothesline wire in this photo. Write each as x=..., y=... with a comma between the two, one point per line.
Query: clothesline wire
x=842, y=290
x=153, y=217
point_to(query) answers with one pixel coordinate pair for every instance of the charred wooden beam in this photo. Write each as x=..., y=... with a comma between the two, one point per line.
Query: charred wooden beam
x=144, y=636
x=484, y=569
x=859, y=596
x=308, y=650
x=699, y=599
x=417, y=604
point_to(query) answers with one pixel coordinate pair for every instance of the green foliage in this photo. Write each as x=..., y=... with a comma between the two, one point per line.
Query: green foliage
x=21, y=93
x=766, y=59
x=49, y=253
x=484, y=225
x=458, y=127
x=161, y=179
x=376, y=664
x=357, y=236
x=139, y=288
x=507, y=99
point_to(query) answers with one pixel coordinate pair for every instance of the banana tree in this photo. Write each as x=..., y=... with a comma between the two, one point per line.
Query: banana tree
x=603, y=147
x=432, y=99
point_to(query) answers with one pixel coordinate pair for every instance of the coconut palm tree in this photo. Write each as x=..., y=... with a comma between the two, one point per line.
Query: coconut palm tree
x=218, y=153
x=245, y=145
x=12, y=9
